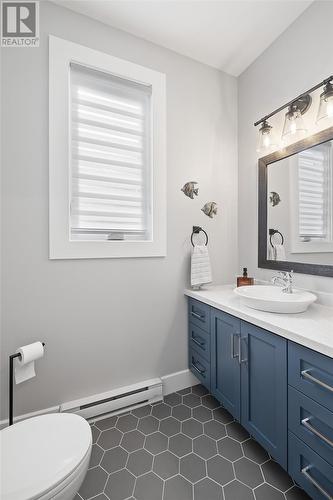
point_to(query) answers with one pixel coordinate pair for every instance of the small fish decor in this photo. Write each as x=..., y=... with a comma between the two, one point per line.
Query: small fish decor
x=190, y=190
x=210, y=209
x=274, y=198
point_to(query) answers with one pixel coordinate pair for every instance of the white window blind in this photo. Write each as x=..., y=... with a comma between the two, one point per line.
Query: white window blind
x=315, y=187
x=110, y=157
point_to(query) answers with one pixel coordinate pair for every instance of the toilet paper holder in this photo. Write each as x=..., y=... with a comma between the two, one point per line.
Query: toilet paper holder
x=11, y=383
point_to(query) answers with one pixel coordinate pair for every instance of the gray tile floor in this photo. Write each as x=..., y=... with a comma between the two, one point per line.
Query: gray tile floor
x=186, y=448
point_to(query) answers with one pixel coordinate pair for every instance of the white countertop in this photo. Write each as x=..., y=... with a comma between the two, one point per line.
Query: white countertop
x=313, y=328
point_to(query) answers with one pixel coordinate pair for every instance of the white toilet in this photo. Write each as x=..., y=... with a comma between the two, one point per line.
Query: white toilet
x=44, y=457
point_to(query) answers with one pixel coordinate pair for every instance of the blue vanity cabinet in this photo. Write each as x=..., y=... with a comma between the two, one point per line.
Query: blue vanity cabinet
x=199, y=341
x=309, y=470
x=200, y=367
x=312, y=423
x=311, y=373
x=263, y=357
x=248, y=373
x=310, y=420
x=225, y=368
x=199, y=314
x=280, y=391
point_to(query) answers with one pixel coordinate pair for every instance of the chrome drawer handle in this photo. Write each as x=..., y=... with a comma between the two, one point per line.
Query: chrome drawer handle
x=200, y=344
x=232, y=341
x=243, y=360
x=307, y=375
x=202, y=372
x=306, y=423
x=196, y=315
x=315, y=483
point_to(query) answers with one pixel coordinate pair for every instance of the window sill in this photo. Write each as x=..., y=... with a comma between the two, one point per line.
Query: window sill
x=107, y=249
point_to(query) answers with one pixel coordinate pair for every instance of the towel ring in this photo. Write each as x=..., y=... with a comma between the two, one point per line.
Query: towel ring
x=272, y=232
x=196, y=230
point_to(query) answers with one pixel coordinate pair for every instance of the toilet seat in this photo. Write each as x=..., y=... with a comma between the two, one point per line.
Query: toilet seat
x=42, y=455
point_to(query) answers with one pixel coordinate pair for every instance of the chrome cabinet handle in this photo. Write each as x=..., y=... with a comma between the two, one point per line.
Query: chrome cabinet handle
x=243, y=360
x=315, y=483
x=196, y=315
x=200, y=344
x=306, y=423
x=232, y=344
x=306, y=374
x=201, y=372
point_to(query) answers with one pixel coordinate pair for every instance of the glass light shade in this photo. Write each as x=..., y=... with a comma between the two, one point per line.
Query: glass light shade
x=325, y=110
x=294, y=127
x=266, y=141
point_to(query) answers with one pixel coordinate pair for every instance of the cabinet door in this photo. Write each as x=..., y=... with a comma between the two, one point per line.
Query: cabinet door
x=225, y=370
x=264, y=389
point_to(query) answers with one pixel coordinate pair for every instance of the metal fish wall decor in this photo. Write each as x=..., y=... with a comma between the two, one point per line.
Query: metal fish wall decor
x=210, y=209
x=274, y=198
x=190, y=190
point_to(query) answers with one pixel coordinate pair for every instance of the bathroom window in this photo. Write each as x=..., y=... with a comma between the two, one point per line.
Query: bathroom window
x=110, y=156
x=107, y=156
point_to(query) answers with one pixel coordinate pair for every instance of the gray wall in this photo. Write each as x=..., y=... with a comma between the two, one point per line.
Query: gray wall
x=297, y=60
x=108, y=323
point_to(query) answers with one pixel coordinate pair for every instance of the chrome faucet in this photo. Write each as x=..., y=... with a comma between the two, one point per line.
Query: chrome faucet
x=286, y=279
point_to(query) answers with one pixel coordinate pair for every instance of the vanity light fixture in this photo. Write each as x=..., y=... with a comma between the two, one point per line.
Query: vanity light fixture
x=294, y=127
x=325, y=109
x=265, y=139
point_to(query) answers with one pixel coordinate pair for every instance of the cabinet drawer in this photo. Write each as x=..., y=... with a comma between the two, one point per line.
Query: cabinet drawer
x=200, y=340
x=200, y=367
x=199, y=314
x=311, y=373
x=312, y=423
x=309, y=470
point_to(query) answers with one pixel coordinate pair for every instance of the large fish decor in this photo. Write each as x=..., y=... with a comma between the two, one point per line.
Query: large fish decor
x=210, y=209
x=189, y=189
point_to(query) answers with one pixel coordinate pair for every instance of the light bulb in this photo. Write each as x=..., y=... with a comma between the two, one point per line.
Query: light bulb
x=293, y=127
x=330, y=108
x=266, y=140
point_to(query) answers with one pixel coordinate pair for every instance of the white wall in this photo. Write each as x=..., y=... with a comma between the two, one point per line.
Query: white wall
x=297, y=60
x=108, y=323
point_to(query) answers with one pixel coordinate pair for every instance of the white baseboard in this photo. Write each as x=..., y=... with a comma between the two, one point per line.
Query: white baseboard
x=171, y=383
x=177, y=381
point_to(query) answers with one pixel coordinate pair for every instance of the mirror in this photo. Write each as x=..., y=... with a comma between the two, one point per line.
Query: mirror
x=296, y=207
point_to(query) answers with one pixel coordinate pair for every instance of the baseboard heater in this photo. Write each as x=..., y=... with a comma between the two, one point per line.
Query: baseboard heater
x=117, y=400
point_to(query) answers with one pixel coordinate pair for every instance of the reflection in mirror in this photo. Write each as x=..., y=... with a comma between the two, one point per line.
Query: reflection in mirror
x=299, y=207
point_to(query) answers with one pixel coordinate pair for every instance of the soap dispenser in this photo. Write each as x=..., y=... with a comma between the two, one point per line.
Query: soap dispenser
x=244, y=280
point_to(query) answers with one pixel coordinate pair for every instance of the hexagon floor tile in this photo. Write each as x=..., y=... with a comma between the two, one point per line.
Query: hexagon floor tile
x=161, y=411
x=132, y=440
x=184, y=448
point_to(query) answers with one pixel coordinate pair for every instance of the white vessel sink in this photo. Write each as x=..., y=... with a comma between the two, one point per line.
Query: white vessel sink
x=272, y=299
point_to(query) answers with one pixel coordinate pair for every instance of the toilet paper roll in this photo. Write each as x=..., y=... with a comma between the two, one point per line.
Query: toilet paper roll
x=25, y=365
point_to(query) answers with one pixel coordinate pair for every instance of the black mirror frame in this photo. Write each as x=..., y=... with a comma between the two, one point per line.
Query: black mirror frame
x=263, y=262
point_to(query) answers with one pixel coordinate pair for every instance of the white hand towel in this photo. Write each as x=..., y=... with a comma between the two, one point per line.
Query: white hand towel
x=280, y=253
x=200, y=266
x=271, y=253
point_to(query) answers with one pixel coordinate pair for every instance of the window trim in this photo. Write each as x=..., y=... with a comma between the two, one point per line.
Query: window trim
x=61, y=54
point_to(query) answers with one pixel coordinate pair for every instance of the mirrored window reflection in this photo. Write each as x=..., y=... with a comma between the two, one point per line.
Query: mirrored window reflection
x=314, y=193
x=299, y=207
